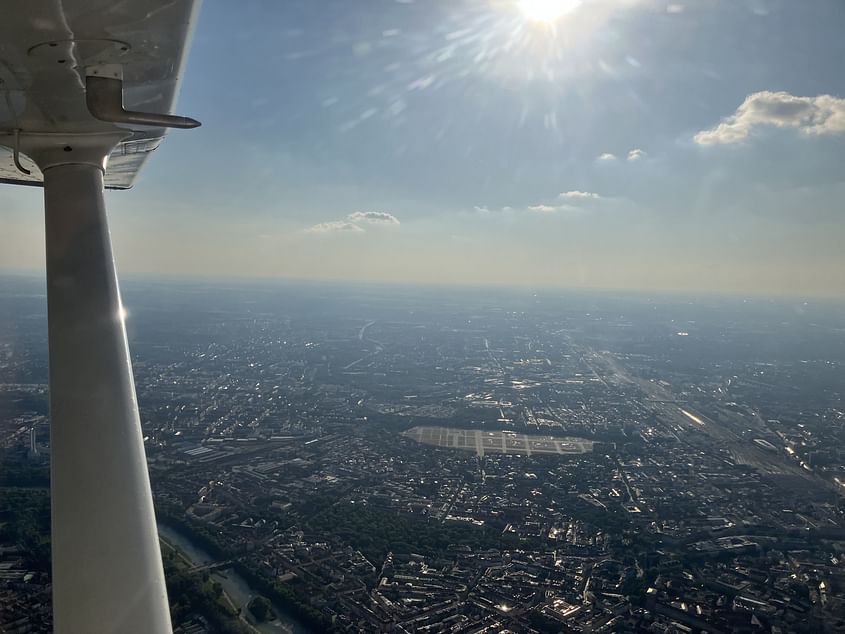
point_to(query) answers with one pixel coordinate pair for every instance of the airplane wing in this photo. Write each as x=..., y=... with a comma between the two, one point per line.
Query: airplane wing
x=46, y=48
x=86, y=90
x=124, y=164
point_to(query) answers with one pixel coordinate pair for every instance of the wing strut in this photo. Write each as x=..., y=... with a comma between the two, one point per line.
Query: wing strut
x=107, y=570
x=69, y=68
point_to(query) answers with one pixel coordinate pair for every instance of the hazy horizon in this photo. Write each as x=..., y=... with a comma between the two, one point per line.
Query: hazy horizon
x=684, y=294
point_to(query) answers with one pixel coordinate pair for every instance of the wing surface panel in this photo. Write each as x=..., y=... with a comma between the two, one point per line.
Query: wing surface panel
x=46, y=49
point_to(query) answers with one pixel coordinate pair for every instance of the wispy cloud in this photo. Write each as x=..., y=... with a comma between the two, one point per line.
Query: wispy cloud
x=557, y=208
x=545, y=209
x=578, y=194
x=636, y=154
x=812, y=116
x=567, y=202
x=607, y=156
x=373, y=217
x=337, y=226
x=354, y=221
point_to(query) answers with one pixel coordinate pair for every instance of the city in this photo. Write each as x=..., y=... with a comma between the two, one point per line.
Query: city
x=411, y=459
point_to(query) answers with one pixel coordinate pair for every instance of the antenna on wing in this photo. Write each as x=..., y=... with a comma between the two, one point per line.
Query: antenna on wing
x=104, y=97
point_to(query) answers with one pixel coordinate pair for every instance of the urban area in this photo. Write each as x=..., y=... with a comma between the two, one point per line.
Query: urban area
x=374, y=459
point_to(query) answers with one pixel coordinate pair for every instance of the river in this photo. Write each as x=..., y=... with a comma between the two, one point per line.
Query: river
x=236, y=587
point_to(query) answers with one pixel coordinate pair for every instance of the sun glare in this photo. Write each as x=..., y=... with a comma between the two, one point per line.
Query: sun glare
x=547, y=11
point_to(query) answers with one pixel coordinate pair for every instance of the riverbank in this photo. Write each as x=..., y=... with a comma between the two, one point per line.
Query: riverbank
x=236, y=589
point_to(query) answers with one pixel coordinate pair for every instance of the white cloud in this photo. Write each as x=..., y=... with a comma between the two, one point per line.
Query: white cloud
x=353, y=222
x=636, y=154
x=544, y=209
x=812, y=116
x=579, y=194
x=555, y=209
x=607, y=156
x=374, y=217
x=336, y=226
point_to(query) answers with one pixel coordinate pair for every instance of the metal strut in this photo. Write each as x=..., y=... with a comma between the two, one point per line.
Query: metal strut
x=104, y=97
x=107, y=569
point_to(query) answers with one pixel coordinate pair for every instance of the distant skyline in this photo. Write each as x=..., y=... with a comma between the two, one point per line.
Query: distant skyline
x=624, y=144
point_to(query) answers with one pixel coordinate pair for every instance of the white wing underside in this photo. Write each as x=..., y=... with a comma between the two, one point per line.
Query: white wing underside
x=45, y=48
x=123, y=167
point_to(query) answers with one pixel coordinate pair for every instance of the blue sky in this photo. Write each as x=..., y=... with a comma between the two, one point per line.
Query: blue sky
x=637, y=144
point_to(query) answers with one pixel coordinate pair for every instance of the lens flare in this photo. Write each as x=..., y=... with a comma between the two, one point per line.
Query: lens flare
x=547, y=11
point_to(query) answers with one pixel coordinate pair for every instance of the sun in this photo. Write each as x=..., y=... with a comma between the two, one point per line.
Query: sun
x=547, y=11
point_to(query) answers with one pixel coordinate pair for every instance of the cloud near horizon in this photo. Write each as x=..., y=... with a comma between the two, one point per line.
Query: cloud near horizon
x=578, y=194
x=335, y=226
x=634, y=154
x=567, y=202
x=554, y=209
x=543, y=209
x=353, y=222
x=812, y=116
x=374, y=217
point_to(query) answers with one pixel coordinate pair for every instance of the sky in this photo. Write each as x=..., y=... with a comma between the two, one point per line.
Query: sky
x=622, y=144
